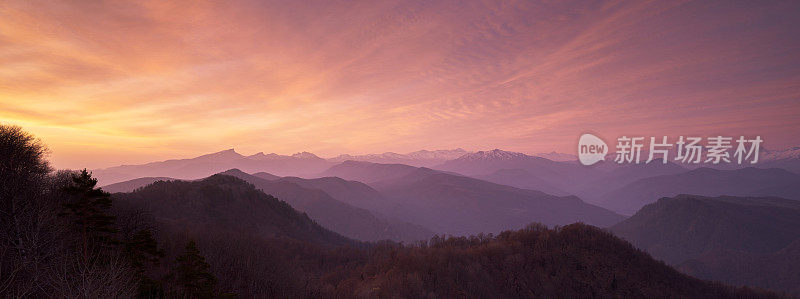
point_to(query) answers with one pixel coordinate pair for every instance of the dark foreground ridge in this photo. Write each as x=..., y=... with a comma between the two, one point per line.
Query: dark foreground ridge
x=230, y=203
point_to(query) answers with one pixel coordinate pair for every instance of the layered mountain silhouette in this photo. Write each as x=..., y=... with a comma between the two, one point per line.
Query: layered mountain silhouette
x=128, y=186
x=485, y=162
x=459, y=205
x=588, y=184
x=703, y=181
x=739, y=240
x=788, y=159
x=353, y=193
x=567, y=177
x=312, y=197
x=195, y=168
x=266, y=176
x=227, y=202
x=522, y=178
x=369, y=172
x=339, y=216
x=618, y=176
x=623, y=188
x=554, y=177
x=555, y=156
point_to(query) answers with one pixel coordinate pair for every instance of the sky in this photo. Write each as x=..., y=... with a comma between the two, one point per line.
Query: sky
x=105, y=83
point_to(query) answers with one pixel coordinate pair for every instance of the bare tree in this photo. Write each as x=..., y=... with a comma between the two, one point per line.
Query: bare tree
x=25, y=217
x=105, y=275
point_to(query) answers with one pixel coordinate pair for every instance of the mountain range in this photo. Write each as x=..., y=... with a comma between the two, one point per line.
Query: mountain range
x=258, y=246
x=460, y=205
x=739, y=240
x=418, y=158
x=307, y=216
x=337, y=215
x=314, y=198
x=195, y=168
x=623, y=188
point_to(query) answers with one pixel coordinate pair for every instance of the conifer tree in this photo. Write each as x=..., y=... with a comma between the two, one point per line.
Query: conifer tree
x=88, y=208
x=142, y=251
x=192, y=274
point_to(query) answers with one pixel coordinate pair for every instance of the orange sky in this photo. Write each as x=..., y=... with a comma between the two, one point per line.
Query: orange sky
x=107, y=82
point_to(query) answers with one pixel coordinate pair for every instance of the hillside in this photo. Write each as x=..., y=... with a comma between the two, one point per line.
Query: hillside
x=460, y=205
x=576, y=261
x=523, y=179
x=260, y=247
x=367, y=172
x=128, y=186
x=226, y=202
x=336, y=215
x=772, y=271
x=621, y=175
x=353, y=193
x=721, y=237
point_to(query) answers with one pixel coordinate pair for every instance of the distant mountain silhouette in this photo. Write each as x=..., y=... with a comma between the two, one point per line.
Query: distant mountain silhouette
x=623, y=188
x=777, y=155
x=568, y=177
x=368, y=172
x=706, y=182
x=484, y=162
x=348, y=220
x=128, y=186
x=621, y=175
x=561, y=157
x=523, y=179
x=788, y=159
x=418, y=158
x=739, y=240
x=266, y=176
x=227, y=202
x=459, y=205
x=205, y=165
x=354, y=193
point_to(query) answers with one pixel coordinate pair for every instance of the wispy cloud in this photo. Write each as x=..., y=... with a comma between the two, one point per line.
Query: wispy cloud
x=109, y=82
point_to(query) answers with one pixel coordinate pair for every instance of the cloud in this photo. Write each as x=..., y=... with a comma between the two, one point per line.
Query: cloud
x=158, y=79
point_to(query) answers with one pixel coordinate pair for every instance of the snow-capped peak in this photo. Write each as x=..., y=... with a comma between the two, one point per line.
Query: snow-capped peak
x=495, y=154
x=437, y=154
x=789, y=153
x=305, y=155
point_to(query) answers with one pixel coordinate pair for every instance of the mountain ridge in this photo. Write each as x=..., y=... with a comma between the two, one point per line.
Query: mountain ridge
x=738, y=240
x=459, y=205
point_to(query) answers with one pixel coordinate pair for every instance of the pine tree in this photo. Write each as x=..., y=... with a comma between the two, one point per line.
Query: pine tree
x=88, y=207
x=192, y=274
x=142, y=251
